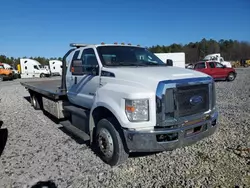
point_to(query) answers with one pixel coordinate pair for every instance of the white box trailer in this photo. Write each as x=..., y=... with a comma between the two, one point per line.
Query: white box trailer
x=31, y=68
x=55, y=67
x=178, y=58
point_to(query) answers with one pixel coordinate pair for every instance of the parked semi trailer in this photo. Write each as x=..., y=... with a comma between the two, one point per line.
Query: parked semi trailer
x=122, y=98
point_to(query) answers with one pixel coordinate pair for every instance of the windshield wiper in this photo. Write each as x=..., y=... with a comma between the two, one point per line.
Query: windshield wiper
x=152, y=63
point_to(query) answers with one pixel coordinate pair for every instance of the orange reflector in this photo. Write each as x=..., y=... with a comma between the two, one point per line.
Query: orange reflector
x=72, y=69
x=130, y=108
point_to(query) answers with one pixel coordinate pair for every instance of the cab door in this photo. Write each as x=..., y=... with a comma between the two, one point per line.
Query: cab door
x=212, y=69
x=202, y=67
x=36, y=70
x=83, y=78
x=221, y=70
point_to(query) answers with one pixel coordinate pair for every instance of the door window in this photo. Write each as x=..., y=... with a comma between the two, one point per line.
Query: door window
x=36, y=67
x=211, y=65
x=219, y=65
x=89, y=60
x=200, y=66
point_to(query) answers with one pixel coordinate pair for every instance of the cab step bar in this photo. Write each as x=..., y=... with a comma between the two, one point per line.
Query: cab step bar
x=79, y=133
x=79, y=124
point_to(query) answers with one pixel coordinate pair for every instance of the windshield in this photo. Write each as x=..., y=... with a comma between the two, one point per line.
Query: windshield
x=127, y=56
x=1, y=67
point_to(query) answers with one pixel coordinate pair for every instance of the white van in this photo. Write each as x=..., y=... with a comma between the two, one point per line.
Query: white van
x=178, y=58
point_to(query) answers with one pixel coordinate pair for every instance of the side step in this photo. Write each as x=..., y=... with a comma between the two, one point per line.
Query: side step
x=79, y=133
x=77, y=111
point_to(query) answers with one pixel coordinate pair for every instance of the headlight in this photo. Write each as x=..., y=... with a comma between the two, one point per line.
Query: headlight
x=137, y=110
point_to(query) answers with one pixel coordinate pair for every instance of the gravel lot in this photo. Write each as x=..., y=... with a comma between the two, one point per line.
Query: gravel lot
x=39, y=150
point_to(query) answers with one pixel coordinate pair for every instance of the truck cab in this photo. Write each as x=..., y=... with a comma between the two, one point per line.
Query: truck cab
x=216, y=70
x=55, y=67
x=5, y=74
x=123, y=99
x=31, y=68
x=217, y=58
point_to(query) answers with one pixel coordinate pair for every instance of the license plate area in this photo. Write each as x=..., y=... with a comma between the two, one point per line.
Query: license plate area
x=195, y=130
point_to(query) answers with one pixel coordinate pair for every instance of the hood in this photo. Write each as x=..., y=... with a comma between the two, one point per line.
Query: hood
x=149, y=77
x=227, y=64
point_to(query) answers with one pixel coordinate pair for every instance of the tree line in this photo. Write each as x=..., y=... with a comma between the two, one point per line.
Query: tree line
x=231, y=50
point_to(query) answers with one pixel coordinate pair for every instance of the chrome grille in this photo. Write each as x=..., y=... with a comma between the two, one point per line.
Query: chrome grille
x=173, y=99
x=192, y=99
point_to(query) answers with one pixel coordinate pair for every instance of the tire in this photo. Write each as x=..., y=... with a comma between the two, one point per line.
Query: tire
x=3, y=139
x=1, y=78
x=42, y=75
x=35, y=102
x=231, y=77
x=106, y=133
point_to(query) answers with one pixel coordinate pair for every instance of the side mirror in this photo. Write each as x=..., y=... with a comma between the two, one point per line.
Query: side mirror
x=77, y=67
x=169, y=62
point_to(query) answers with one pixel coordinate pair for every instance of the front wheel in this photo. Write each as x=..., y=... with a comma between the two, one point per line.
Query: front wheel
x=231, y=76
x=42, y=75
x=109, y=143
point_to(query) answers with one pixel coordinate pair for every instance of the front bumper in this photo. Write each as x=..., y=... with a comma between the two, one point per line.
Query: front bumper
x=8, y=77
x=163, y=140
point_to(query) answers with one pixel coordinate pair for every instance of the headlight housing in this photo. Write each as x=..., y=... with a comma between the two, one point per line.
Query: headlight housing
x=137, y=110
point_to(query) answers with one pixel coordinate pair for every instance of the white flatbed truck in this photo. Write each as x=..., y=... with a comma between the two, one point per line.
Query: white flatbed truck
x=121, y=103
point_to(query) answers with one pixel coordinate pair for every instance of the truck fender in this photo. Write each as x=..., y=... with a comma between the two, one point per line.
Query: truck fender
x=113, y=110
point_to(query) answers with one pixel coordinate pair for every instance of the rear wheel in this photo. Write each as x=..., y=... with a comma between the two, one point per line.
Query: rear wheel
x=231, y=76
x=109, y=143
x=35, y=101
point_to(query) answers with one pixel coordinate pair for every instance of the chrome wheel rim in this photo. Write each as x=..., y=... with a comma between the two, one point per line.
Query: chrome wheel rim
x=231, y=77
x=105, y=143
x=34, y=101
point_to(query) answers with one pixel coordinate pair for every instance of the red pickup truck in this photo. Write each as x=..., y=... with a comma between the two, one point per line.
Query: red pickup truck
x=216, y=70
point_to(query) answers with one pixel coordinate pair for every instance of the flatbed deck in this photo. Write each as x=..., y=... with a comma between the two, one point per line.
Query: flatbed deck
x=49, y=88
